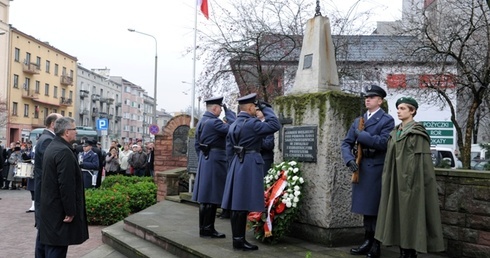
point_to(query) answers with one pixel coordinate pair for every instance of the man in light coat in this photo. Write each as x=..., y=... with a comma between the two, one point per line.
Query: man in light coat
x=212, y=166
x=244, y=188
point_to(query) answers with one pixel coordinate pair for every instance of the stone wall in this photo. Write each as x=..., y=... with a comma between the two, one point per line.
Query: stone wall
x=164, y=156
x=465, y=212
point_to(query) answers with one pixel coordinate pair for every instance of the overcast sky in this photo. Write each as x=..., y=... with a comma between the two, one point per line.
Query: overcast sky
x=96, y=32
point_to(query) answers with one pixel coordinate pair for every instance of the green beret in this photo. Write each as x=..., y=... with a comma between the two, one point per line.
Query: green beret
x=407, y=100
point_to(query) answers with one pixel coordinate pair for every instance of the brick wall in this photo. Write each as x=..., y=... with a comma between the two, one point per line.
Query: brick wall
x=465, y=212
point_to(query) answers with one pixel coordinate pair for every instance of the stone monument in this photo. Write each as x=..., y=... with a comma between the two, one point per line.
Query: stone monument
x=317, y=69
x=318, y=114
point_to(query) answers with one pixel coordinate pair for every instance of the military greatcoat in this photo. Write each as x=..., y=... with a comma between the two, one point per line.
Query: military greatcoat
x=373, y=139
x=211, y=171
x=409, y=214
x=244, y=189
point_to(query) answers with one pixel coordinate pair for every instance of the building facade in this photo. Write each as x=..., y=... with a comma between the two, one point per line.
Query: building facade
x=98, y=98
x=136, y=107
x=4, y=50
x=40, y=81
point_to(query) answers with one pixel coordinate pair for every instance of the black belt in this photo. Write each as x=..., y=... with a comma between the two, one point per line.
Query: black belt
x=216, y=148
x=250, y=151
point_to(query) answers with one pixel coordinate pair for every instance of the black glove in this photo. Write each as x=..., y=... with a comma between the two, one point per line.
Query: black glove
x=225, y=108
x=352, y=166
x=261, y=105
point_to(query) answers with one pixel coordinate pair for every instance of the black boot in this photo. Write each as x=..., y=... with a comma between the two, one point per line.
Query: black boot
x=6, y=186
x=408, y=253
x=365, y=246
x=208, y=222
x=375, y=251
x=202, y=208
x=225, y=214
x=238, y=227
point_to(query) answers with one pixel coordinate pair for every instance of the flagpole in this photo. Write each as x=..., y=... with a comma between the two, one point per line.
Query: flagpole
x=193, y=91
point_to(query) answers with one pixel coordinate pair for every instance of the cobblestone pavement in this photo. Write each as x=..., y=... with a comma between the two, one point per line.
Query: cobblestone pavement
x=17, y=231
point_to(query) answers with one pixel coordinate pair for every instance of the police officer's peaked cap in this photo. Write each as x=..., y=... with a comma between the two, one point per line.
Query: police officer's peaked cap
x=214, y=100
x=85, y=144
x=250, y=98
x=375, y=90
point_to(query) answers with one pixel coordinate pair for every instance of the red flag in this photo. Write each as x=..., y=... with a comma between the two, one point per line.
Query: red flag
x=204, y=7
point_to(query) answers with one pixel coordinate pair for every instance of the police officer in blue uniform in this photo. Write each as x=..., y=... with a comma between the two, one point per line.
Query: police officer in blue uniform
x=244, y=189
x=373, y=139
x=212, y=167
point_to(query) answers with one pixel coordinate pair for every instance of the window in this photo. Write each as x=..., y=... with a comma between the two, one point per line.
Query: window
x=63, y=93
x=62, y=112
x=70, y=114
x=55, y=110
x=38, y=86
x=63, y=71
x=55, y=91
x=47, y=65
x=14, y=108
x=46, y=112
x=46, y=89
x=38, y=61
x=16, y=81
x=26, y=110
x=27, y=84
x=70, y=96
x=56, y=69
x=28, y=58
x=126, y=128
x=128, y=89
x=36, y=111
x=71, y=73
x=17, y=55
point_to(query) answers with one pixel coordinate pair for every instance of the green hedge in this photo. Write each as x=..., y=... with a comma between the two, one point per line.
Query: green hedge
x=118, y=197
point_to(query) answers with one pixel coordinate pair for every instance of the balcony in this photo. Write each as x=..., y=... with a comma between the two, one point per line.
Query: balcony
x=30, y=94
x=103, y=114
x=66, y=102
x=118, y=104
x=103, y=100
x=110, y=116
x=95, y=97
x=84, y=112
x=31, y=68
x=118, y=118
x=37, y=122
x=84, y=94
x=110, y=101
x=95, y=113
x=66, y=80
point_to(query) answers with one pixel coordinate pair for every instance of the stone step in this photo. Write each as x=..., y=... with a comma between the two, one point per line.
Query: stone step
x=130, y=245
x=104, y=251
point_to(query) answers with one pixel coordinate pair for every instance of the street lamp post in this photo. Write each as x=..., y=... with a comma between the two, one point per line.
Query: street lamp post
x=155, y=79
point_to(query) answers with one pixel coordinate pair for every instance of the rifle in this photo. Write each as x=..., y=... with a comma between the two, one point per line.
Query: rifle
x=355, y=175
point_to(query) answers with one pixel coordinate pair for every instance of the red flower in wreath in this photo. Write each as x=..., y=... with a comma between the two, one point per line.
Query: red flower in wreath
x=280, y=207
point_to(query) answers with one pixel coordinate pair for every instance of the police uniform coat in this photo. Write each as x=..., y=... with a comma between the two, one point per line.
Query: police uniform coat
x=62, y=194
x=211, y=172
x=244, y=188
x=373, y=139
x=267, y=152
x=409, y=214
x=41, y=145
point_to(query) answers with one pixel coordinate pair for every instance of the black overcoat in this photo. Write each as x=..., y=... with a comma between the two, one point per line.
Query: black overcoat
x=62, y=194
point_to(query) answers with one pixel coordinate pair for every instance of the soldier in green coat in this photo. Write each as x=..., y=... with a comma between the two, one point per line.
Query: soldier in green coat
x=409, y=214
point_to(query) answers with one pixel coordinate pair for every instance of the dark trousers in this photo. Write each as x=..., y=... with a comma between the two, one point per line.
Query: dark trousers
x=87, y=178
x=40, y=248
x=139, y=171
x=370, y=222
x=53, y=251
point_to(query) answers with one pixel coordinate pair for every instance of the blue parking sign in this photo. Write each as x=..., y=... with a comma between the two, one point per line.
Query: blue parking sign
x=102, y=124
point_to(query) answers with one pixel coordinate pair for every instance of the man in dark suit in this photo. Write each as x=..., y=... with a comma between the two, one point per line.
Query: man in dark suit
x=41, y=145
x=374, y=139
x=244, y=188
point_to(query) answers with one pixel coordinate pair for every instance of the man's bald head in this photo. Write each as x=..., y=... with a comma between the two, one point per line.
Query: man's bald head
x=50, y=119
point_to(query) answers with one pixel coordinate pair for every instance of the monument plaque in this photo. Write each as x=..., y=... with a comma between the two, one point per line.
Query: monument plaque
x=300, y=143
x=191, y=157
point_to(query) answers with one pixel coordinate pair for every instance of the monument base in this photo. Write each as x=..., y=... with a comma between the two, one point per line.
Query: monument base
x=330, y=237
